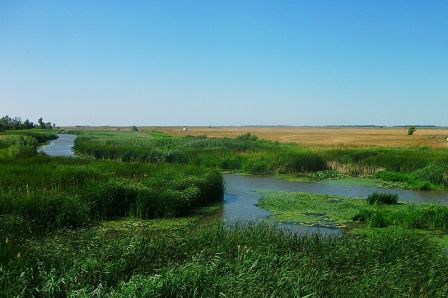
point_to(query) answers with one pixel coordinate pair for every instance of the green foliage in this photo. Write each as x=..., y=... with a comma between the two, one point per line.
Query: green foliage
x=244, y=153
x=405, y=167
x=16, y=123
x=411, y=130
x=63, y=192
x=382, y=198
x=22, y=143
x=247, y=137
x=380, y=210
x=422, y=217
x=231, y=261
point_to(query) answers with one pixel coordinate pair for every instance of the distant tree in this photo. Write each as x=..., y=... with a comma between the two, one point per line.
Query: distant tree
x=411, y=130
x=41, y=123
x=8, y=123
x=27, y=124
x=134, y=128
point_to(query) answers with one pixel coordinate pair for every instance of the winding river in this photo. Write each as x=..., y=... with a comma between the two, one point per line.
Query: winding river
x=241, y=194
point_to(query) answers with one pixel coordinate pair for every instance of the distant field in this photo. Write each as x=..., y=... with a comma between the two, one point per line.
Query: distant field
x=389, y=137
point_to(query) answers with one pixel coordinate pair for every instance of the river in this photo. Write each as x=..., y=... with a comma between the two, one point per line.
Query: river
x=241, y=196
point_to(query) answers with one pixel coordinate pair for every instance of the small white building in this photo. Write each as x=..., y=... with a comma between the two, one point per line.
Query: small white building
x=184, y=129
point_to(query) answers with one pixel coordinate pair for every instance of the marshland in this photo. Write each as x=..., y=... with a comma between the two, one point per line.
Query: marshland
x=144, y=213
x=223, y=148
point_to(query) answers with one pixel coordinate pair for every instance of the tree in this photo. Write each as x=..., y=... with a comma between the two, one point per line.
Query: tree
x=134, y=128
x=411, y=130
x=41, y=123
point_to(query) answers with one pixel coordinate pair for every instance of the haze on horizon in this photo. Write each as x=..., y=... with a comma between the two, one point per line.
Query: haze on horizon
x=225, y=63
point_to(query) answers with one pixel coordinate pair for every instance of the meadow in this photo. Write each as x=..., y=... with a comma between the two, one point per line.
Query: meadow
x=135, y=217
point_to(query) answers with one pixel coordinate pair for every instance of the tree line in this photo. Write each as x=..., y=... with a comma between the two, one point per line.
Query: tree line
x=9, y=123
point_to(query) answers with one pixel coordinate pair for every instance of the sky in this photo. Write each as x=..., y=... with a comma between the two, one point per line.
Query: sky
x=335, y=62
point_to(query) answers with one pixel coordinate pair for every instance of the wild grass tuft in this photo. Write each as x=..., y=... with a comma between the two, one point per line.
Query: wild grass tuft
x=382, y=198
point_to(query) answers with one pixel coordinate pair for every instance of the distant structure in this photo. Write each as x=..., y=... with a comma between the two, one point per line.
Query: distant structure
x=184, y=129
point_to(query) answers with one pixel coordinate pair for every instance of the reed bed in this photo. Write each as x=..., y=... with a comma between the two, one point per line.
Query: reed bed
x=416, y=168
x=228, y=261
x=63, y=192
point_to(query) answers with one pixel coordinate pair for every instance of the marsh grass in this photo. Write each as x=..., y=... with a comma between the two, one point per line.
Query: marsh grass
x=412, y=217
x=233, y=261
x=63, y=192
x=405, y=167
x=382, y=198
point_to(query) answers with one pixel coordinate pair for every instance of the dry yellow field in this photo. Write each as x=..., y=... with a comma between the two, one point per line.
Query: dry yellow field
x=389, y=137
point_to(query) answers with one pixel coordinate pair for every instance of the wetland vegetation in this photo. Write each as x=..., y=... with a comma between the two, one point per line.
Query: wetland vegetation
x=415, y=168
x=130, y=219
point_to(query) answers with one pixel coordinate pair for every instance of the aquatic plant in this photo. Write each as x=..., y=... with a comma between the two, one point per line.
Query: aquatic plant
x=382, y=198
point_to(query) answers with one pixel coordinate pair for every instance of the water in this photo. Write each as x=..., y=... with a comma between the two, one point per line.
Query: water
x=62, y=146
x=241, y=195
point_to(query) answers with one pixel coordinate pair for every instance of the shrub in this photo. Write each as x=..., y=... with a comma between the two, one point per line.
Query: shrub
x=411, y=130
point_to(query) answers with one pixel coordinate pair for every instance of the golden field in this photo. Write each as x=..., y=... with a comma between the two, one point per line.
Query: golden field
x=387, y=137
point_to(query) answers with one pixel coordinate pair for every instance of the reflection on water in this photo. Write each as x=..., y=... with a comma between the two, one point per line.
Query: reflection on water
x=62, y=146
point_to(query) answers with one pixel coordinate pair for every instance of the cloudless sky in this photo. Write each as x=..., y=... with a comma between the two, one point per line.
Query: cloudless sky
x=241, y=62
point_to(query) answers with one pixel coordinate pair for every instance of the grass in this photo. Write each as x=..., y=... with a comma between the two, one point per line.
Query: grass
x=137, y=221
x=41, y=194
x=412, y=217
x=216, y=261
x=415, y=168
x=22, y=143
x=382, y=198
x=327, y=136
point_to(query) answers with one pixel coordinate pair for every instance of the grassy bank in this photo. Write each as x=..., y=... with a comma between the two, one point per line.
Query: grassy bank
x=415, y=168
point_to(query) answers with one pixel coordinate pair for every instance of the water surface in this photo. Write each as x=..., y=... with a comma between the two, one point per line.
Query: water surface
x=241, y=197
x=62, y=146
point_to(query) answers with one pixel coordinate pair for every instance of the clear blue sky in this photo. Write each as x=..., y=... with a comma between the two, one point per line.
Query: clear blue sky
x=225, y=62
